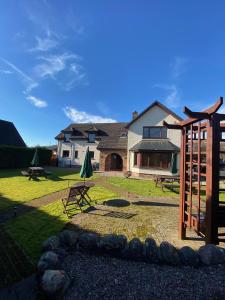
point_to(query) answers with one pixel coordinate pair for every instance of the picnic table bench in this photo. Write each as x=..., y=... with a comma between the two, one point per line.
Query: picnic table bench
x=77, y=197
x=34, y=172
x=167, y=181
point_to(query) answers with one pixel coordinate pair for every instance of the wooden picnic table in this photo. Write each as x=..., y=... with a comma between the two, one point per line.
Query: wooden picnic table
x=78, y=196
x=163, y=180
x=34, y=172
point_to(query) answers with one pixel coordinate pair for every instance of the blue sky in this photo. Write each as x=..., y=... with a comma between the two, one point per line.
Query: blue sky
x=96, y=61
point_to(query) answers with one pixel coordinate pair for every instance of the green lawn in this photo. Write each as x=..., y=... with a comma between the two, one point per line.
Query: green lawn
x=142, y=187
x=32, y=228
x=16, y=188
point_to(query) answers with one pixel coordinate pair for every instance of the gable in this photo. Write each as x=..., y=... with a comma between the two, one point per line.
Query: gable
x=160, y=107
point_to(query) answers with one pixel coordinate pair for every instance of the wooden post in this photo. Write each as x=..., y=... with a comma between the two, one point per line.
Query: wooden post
x=182, y=228
x=139, y=160
x=212, y=179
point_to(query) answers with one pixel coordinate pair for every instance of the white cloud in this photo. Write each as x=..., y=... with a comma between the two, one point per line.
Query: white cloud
x=6, y=71
x=83, y=117
x=27, y=81
x=53, y=64
x=173, y=95
x=178, y=66
x=44, y=44
x=37, y=101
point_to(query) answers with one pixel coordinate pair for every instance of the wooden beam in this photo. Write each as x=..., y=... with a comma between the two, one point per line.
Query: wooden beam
x=195, y=114
x=210, y=110
x=171, y=126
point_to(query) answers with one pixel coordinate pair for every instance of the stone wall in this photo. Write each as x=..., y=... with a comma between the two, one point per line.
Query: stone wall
x=104, y=165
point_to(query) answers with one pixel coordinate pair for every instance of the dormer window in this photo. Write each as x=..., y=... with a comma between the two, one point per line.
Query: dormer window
x=91, y=137
x=123, y=134
x=67, y=137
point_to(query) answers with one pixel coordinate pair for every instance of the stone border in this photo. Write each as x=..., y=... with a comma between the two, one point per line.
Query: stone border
x=53, y=280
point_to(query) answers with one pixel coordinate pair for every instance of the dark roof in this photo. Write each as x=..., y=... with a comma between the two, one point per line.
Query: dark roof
x=9, y=136
x=159, y=104
x=155, y=145
x=109, y=135
x=113, y=143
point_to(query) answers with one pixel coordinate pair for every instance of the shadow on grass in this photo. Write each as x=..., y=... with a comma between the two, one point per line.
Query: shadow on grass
x=109, y=213
x=148, y=203
x=117, y=203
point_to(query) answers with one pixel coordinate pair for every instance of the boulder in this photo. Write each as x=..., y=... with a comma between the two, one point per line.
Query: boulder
x=113, y=243
x=151, y=251
x=188, y=256
x=211, y=255
x=136, y=249
x=169, y=254
x=88, y=241
x=51, y=244
x=68, y=238
x=54, y=283
x=48, y=260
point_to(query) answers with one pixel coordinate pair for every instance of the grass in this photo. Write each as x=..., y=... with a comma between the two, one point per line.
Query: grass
x=32, y=228
x=16, y=188
x=142, y=187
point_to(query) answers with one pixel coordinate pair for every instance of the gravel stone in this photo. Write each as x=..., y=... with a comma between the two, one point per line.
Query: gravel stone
x=151, y=251
x=51, y=244
x=169, y=254
x=54, y=283
x=211, y=255
x=48, y=260
x=68, y=238
x=188, y=256
x=104, y=277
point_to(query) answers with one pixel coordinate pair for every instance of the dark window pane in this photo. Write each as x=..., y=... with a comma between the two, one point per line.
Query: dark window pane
x=92, y=154
x=135, y=158
x=155, y=132
x=145, y=132
x=91, y=137
x=66, y=153
x=76, y=154
x=164, y=132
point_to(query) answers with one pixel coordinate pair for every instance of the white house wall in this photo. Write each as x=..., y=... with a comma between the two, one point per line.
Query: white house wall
x=154, y=117
x=81, y=147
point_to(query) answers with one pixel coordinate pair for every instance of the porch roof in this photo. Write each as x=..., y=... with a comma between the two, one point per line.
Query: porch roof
x=155, y=145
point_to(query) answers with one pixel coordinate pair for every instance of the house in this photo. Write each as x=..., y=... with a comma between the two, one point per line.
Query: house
x=107, y=144
x=9, y=136
x=143, y=146
x=151, y=147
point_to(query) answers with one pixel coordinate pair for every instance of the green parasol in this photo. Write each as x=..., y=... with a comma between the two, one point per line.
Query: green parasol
x=86, y=169
x=35, y=160
x=174, y=163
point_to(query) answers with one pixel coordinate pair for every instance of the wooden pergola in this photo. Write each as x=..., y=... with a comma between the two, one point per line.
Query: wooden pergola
x=200, y=206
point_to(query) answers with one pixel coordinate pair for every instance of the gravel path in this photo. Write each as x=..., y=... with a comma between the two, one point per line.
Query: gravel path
x=98, y=277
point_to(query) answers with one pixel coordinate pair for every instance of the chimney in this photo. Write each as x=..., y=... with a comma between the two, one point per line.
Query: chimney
x=134, y=115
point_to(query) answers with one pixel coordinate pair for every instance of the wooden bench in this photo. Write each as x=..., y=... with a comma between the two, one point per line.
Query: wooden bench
x=25, y=173
x=167, y=181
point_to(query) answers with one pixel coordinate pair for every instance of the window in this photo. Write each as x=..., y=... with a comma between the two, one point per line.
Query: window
x=92, y=154
x=76, y=154
x=66, y=153
x=135, y=158
x=154, y=132
x=91, y=137
x=67, y=137
x=159, y=160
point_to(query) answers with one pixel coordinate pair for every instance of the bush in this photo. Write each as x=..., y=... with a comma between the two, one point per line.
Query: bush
x=21, y=157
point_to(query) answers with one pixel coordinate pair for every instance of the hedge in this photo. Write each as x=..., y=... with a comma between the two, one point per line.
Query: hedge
x=21, y=157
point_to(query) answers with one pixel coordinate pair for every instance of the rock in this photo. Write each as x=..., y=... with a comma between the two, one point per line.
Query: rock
x=188, y=256
x=68, y=238
x=169, y=254
x=136, y=248
x=51, y=244
x=54, y=283
x=151, y=251
x=61, y=252
x=48, y=260
x=211, y=255
x=88, y=240
x=113, y=243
